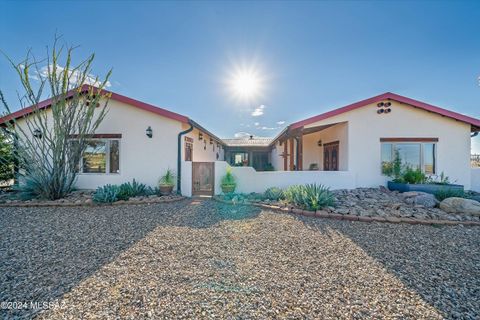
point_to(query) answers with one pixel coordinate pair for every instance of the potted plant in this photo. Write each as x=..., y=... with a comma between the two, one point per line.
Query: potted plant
x=166, y=183
x=228, y=182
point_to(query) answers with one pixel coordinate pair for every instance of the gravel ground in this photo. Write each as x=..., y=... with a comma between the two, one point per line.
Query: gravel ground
x=203, y=259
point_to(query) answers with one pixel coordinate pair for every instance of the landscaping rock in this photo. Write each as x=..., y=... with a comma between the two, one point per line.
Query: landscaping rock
x=420, y=198
x=461, y=206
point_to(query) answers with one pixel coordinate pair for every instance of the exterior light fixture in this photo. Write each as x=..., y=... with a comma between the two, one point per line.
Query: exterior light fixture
x=204, y=144
x=37, y=133
x=211, y=141
x=200, y=136
x=149, y=132
x=319, y=143
x=380, y=111
x=380, y=104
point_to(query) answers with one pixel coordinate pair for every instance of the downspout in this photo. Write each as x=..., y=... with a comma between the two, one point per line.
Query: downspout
x=179, y=157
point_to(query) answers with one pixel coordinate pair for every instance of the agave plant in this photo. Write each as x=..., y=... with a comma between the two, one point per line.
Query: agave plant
x=133, y=189
x=106, y=194
x=274, y=194
x=310, y=196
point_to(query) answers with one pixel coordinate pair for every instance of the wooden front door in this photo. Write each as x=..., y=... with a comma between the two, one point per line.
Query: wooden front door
x=330, y=156
x=203, y=178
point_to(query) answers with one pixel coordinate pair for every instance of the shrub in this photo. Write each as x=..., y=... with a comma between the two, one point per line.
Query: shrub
x=133, y=189
x=310, y=196
x=168, y=179
x=414, y=176
x=449, y=193
x=273, y=193
x=106, y=194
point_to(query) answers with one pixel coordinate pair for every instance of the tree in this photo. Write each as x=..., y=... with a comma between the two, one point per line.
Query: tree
x=50, y=140
x=6, y=158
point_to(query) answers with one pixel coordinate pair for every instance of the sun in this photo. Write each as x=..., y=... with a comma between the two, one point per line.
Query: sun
x=246, y=84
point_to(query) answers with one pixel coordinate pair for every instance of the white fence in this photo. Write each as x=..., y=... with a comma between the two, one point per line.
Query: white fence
x=475, y=179
x=249, y=180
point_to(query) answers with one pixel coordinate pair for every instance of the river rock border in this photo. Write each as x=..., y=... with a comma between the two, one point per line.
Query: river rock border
x=346, y=217
x=90, y=203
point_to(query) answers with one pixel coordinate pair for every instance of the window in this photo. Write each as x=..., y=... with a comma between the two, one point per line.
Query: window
x=412, y=154
x=239, y=158
x=101, y=156
x=188, y=151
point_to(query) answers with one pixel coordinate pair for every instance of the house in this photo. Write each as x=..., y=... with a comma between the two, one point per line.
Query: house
x=347, y=147
x=122, y=150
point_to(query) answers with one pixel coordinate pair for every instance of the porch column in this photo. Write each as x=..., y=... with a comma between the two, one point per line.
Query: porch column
x=285, y=155
x=290, y=142
x=300, y=153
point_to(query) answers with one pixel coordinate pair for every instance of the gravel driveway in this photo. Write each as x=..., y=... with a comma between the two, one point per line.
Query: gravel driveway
x=202, y=259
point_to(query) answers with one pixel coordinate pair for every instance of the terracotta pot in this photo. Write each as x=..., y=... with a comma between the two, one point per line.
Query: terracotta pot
x=228, y=188
x=165, y=190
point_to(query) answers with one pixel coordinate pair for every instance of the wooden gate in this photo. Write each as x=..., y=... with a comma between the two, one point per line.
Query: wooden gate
x=203, y=176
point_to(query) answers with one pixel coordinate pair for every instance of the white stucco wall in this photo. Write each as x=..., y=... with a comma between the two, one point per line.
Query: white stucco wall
x=141, y=158
x=276, y=156
x=475, y=179
x=202, y=152
x=186, y=178
x=249, y=180
x=366, y=127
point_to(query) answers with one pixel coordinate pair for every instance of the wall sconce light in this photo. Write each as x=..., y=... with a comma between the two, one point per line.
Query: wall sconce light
x=149, y=132
x=319, y=143
x=200, y=136
x=204, y=144
x=211, y=141
x=37, y=133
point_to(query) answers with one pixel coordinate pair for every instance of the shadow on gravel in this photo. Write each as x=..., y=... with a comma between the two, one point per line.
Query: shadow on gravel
x=45, y=252
x=441, y=264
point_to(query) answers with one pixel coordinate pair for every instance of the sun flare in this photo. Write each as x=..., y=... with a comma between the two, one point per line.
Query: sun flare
x=246, y=84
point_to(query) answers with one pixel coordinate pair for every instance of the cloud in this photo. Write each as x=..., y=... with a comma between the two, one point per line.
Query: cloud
x=241, y=135
x=75, y=76
x=269, y=128
x=280, y=122
x=257, y=112
x=257, y=124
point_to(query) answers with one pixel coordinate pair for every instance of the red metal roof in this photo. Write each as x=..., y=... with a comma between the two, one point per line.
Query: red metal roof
x=115, y=96
x=475, y=123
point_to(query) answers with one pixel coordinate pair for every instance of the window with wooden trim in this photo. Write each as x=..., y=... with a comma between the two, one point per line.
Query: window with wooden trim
x=188, y=151
x=101, y=156
x=415, y=155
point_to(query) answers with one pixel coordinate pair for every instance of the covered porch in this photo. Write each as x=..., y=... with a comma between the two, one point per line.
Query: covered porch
x=316, y=148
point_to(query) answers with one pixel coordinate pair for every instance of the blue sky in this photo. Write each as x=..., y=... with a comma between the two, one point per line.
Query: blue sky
x=312, y=56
